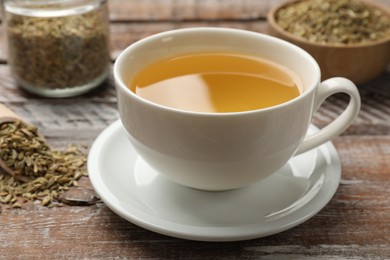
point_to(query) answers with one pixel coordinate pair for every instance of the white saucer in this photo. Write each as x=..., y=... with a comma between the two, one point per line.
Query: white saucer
x=129, y=187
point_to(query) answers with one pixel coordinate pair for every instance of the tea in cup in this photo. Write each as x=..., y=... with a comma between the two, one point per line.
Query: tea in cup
x=216, y=82
x=218, y=108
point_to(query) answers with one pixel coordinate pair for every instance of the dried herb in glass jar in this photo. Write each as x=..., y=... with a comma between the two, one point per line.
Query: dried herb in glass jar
x=57, y=48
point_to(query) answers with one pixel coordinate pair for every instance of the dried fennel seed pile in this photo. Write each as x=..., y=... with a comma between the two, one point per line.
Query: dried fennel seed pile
x=50, y=172
x=334, y=21
x=58, y=52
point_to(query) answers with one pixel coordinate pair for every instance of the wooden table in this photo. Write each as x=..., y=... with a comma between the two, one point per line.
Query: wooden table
x=354, y=225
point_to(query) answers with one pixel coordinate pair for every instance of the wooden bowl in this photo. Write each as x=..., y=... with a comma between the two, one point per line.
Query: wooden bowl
x=357, y=62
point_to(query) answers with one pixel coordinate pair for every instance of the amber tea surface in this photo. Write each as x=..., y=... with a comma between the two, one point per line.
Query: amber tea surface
x=216, y=82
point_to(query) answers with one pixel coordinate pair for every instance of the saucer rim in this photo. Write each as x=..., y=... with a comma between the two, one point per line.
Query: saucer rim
x=216, y=234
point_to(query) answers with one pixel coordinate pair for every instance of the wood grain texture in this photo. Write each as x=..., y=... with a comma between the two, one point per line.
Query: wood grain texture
x=124, y=34
x=192, y=10
x=355, y=224
x=184, y=10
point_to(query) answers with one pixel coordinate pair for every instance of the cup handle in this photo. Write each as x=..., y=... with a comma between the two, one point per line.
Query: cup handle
x=341, y=123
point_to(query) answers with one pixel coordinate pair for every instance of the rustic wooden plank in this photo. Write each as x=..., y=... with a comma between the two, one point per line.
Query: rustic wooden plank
x=96, y=232
x=354, y=225
x=179, y=10
x=160, y=10
x=124, y=34
x=192, y=10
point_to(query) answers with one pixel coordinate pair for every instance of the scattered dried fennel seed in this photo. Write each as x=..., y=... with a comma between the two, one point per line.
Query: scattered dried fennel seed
x=58, y=52
x=23, y=150
x=52, y=171
x=334, y=21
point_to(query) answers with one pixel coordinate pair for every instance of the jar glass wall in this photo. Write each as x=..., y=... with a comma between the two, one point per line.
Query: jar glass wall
x=57, y=48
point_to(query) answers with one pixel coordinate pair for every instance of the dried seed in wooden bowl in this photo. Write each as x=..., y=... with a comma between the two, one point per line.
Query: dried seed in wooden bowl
x=334, y=21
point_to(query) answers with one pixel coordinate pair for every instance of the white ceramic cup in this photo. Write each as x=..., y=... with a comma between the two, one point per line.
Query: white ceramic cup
x=220, y=151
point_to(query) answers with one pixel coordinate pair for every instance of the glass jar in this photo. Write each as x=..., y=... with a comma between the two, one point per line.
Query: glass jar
x=57, y=48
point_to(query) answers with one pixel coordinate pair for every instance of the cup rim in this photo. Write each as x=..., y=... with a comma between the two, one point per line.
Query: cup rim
x=119, y=83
